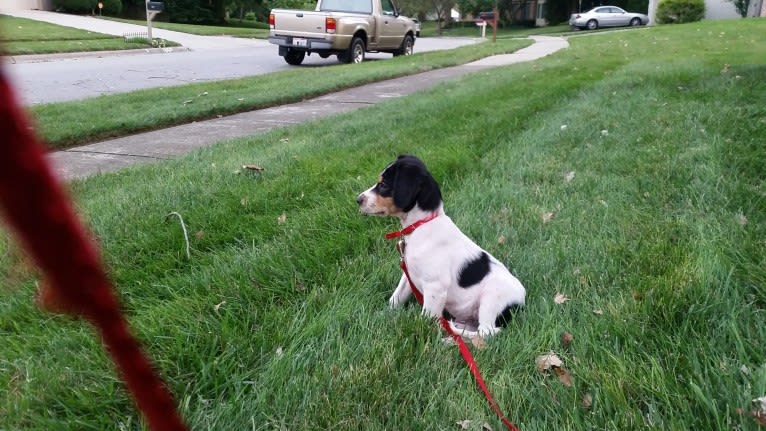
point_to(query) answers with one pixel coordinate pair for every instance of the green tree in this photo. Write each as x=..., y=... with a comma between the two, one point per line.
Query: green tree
x=473, y=7
x=110, y=7
x=742, y=6
x=415, y=8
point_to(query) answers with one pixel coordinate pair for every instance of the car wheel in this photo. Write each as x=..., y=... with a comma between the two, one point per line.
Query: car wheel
x=635, y=21
x=592, y=24
x=355, y=52
x=294, y=57
x=406, y=48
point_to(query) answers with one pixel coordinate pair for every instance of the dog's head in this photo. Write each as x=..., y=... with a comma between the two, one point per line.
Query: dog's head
x=401, y=186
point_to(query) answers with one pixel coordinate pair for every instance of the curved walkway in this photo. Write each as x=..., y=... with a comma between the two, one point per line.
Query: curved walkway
x=114, y=154
x=116, y=28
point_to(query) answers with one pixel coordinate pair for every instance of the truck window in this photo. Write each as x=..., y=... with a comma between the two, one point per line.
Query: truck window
x=387, y=7
x=355, y=6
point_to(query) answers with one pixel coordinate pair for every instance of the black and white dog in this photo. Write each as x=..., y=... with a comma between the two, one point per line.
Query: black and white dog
x=454, y=274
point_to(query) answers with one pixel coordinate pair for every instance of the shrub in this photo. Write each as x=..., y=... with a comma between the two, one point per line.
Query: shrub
x=680, y=11
x=75, y=6
x=111, y=7
x=250, y=16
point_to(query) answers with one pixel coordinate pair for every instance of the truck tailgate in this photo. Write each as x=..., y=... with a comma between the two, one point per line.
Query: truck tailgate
x=289, y=22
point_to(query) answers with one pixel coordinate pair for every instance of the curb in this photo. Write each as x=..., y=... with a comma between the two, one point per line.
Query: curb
x=41, y=58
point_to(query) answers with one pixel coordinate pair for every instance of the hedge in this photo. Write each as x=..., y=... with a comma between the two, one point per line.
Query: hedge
x=680, y=11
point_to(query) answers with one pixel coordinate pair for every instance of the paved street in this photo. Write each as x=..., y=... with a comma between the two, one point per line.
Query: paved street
x=57, y=78
x=78, y=76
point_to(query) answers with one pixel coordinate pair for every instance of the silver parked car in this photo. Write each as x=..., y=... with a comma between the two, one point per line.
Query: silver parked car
x=606, y=16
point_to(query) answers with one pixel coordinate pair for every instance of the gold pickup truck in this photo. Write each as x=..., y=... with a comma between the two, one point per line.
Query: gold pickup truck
x=346, y=28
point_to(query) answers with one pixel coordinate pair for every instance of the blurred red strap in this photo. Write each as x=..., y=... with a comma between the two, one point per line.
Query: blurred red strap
x=36, y=207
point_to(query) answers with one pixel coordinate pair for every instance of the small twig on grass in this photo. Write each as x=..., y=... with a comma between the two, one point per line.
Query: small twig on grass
x=183, y=226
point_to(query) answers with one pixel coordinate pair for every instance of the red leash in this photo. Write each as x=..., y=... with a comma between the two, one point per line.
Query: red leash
x=467, y=356
x=35, y=204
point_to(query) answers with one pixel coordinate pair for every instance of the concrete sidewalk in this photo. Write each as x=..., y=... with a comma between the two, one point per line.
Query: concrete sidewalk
x=116, y=28
x=114, y=154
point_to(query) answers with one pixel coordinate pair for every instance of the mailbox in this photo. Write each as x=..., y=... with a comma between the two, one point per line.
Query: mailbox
x=155, y=6
x=487, y=16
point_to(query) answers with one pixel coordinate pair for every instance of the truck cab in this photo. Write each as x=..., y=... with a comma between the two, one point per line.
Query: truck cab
x=346, y=28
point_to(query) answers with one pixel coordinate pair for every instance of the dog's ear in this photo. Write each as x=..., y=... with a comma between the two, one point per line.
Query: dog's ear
x=414, y=185
x=406, y=185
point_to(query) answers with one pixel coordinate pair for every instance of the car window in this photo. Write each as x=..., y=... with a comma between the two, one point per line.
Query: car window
x=602, y=10
x=347, y=6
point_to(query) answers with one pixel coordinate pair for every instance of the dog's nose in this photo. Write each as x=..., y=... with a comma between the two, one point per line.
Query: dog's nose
x=360, y=199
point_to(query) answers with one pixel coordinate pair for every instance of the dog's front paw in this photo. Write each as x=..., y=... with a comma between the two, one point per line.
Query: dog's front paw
x=488, y=331
x=429, y=313
x=393, y=301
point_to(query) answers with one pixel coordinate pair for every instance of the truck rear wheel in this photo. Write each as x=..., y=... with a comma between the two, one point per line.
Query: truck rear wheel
x=355, y=52
x=294, y=57
x=407, y=45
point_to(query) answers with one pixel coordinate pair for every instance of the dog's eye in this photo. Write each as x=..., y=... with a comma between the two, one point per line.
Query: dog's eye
x=382, y=187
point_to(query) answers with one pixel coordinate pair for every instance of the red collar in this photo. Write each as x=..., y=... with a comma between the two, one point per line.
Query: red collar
x=411, y=228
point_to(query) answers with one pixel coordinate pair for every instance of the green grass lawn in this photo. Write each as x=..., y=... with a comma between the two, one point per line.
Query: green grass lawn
x=22, y=36
x=631, y=181
x=429, y=29
x=244, y=29
x=71, y=123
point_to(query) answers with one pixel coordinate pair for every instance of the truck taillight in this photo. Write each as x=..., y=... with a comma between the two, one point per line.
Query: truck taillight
x=271, y=21
x=329, y=25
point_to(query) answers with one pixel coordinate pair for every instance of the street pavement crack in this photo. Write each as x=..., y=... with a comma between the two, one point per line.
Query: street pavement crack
x=106, y=153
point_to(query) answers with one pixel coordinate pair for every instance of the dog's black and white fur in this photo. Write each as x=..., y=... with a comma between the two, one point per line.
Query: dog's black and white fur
x=454, y=274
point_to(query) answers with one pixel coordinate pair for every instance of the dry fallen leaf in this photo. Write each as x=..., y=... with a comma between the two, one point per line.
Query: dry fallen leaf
x=548, y=361
x=478, y=342
x=547, y=217
x=564, y=376
x=485, y=426
x=560, y=298
x=464, y=424
x=598, y=311
x=282, y=218
x=587, y=401
x=501, y=239
x=569, y=177
x=252, y=168
x=449, y=341
x=279, y=352
x=200, y=234
x=566, y=339
x=759, y=413
x=741, y=219
x=218, y=306
x=760, y=405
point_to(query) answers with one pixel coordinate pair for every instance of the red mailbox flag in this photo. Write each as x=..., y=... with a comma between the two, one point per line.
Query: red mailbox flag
x=36, y=207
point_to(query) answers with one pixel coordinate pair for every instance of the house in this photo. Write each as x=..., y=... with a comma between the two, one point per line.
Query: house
x=720, y=9
x=27, y=4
